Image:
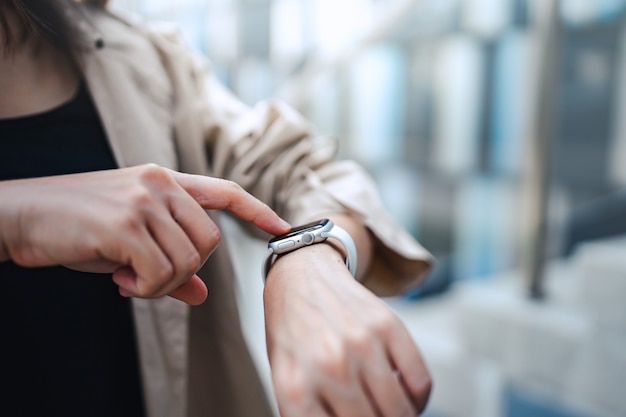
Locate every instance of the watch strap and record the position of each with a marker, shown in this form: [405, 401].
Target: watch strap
[346, 240]
[336, 233]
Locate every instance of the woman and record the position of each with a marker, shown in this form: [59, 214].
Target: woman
[99, 117]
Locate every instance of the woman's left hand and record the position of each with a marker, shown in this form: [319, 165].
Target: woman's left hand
[335, 348]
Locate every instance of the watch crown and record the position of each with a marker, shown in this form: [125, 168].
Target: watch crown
[308, 238]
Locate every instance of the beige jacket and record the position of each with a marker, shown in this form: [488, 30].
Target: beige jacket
[159, 104]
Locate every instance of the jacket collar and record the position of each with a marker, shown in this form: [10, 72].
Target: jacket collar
[123, 93]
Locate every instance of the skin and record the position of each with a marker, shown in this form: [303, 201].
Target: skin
[335, 348]
[146, 225]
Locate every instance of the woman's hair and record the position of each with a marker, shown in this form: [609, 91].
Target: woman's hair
[45, 19]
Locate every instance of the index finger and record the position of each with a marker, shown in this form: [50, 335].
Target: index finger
[219, 194]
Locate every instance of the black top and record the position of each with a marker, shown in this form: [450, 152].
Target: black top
[68, 343]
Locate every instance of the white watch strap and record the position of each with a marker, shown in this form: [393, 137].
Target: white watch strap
[346, 240]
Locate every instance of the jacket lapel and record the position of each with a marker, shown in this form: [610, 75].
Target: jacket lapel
[132, 93]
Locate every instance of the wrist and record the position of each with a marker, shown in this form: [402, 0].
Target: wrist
[322, 252]
[307, 262]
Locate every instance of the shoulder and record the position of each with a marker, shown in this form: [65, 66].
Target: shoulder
[128, 31]
[133, 38]
[151, 54]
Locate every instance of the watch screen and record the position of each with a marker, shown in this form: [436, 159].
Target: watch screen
[299, 229]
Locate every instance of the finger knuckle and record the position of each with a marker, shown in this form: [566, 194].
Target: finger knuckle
[163, 275]
[210, 241]
[233, 190]
[291, 388]
[194, 262]
[232, 186]
[333, 365]
[151, 171]
[383, 323]
[128, 221]
[153, 174]
[362, 341]
[214, 236]
[140, 198]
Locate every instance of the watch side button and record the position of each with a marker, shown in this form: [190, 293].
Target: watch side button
[287, 244]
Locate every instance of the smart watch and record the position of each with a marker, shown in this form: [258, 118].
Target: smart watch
[310, 234]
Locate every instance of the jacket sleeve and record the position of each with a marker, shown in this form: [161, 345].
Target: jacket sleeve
[270, 150]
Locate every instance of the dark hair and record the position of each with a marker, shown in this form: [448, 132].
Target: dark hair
[46, 19]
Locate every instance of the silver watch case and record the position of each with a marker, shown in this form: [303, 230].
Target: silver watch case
[309, 234]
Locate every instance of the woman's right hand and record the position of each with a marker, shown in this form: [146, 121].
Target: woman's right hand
[145, 224]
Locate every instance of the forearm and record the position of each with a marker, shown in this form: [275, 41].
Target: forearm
[8, 217]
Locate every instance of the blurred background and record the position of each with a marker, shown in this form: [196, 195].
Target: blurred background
[494, 129]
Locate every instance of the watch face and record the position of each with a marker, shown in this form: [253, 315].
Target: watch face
[301, 229]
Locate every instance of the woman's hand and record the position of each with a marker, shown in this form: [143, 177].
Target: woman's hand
[335, 348]
[145, 224]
